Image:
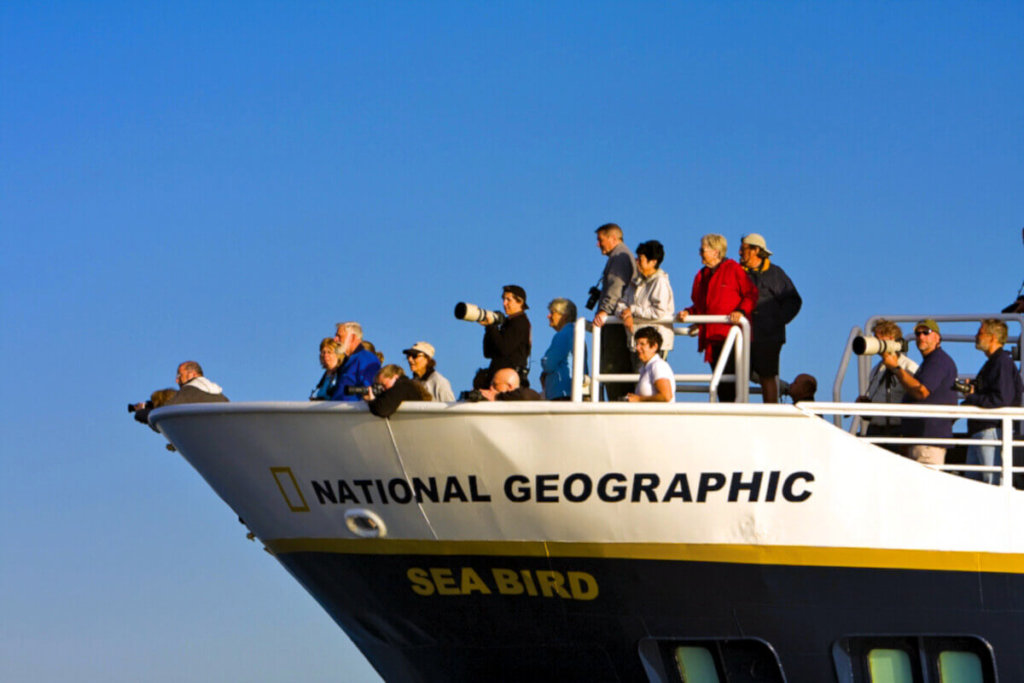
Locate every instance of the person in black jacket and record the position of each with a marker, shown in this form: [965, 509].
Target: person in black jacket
[508, 344]
[506, 387]
[394, 387]
[997, 385]
[778, 302]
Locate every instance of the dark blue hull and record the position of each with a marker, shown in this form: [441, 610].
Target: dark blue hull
[484, 617]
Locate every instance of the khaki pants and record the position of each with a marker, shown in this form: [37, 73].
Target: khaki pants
[928, 455]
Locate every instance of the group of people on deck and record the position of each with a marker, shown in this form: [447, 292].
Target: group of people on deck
[898, 379]
[635, 310]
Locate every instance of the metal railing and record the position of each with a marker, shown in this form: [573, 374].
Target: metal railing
[735, 344]
[1009, 418]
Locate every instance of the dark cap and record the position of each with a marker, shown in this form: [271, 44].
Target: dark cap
[516, 291]
[929, 323]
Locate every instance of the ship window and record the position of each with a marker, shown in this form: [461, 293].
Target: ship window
[696, 665]
[960, 667]
[711, 660]
[890, 666]
[914, 658]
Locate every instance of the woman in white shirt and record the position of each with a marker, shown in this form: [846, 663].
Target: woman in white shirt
[657, 382]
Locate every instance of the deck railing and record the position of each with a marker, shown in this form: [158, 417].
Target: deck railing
[1010, 419]
[735, 345]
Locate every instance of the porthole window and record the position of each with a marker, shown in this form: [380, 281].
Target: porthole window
[889, 666]
[696, 665]
[960, 667]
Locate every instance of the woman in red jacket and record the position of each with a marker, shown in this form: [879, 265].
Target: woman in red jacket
[721, 287]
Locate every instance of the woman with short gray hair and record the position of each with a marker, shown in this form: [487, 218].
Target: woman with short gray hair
[556, 373]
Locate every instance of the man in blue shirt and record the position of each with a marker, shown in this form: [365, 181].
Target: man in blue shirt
[932, 384]
[360, 366]
[997, 385]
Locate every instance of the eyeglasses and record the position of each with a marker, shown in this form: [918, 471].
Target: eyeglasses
[922, 333]
[413, 356]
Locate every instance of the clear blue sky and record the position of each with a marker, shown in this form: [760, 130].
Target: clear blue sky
[225, 181]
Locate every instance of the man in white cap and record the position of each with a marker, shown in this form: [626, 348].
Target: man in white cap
[778, 302]
[424, 369]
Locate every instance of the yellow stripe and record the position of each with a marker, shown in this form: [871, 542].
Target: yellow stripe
[875, 558]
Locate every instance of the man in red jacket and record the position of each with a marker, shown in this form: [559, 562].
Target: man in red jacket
[721, 287]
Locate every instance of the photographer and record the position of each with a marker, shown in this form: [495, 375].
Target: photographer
[619, 273]
[505, 387]
[883, 387]
[997, 385]
[507, 343]
[931, 384]
[157, 399]
[194, 388]
[360, 365]
[390, 388]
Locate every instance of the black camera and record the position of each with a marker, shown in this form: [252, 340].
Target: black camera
[593, 294]
[473, 396]
[963, 385]
[356, 391]
[132, 408]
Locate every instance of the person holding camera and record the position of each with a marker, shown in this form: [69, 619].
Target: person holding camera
[192, 388]
[997, 385]
[359, 366]
[619, 272]
[778, 302]
[507, 343]
[721, 287]
[931, 384]
[657, 383]
[883, 387]
[390, 388]
[506, 387]
[649, 298]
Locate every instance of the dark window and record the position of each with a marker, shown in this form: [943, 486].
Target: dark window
[712, 660]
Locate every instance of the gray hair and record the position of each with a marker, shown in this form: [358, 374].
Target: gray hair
[353, 327]
[564, 306]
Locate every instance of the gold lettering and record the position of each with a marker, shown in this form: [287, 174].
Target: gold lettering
[552, 583]
[531, 587]
[421, 584]
[471, 581]
[444, 581]
[582, 585]
[507, 581]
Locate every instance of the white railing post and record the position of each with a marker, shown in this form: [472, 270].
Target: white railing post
[1007, 452]
[579, 343]
[595, 364]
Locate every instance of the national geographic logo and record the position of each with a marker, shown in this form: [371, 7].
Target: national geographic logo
[288, 485]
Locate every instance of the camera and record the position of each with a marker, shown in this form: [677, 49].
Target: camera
[593, 294]
[474, 314]
[473, 396]
[870, 346]
[963, 385]
[363, 391]
[132, 408]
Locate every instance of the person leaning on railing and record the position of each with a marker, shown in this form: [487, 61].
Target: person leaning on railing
[394, 388]
[657, 382]
[721, 287]
[997, 385]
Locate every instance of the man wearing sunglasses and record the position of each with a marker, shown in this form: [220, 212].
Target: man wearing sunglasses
[931, 384]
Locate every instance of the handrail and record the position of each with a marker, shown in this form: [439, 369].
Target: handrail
[1006, 416]
[734, 343]
[864, 362]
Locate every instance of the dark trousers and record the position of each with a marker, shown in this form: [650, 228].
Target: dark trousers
[726, 390]
[615, 359]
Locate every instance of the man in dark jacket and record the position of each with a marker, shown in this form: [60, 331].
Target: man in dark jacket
[997, 385]
[505, 387]
[193, 388]
[396, 388]
[778, 302]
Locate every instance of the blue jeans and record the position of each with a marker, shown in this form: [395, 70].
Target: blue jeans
[986, 455]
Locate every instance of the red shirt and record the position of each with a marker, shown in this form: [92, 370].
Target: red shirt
[720, 291]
